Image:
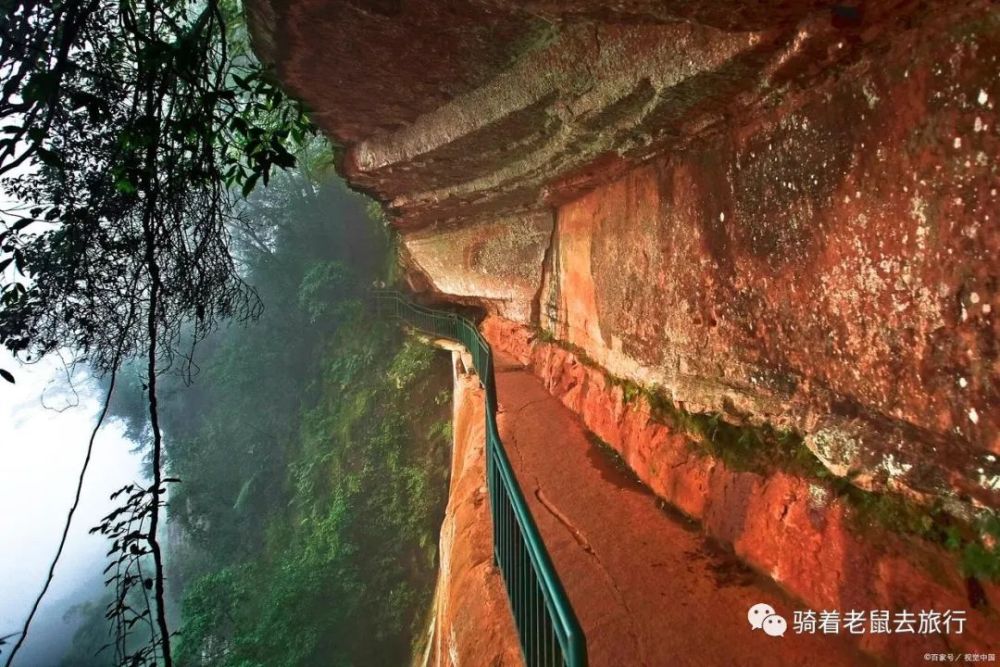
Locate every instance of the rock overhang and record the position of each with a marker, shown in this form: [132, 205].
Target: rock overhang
[451, 111]
[481, 124]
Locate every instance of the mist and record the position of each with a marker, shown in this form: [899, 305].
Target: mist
[45, 421]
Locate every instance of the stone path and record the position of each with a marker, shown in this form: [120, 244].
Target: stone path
[648, 588]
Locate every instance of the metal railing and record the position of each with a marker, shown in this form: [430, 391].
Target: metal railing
[547, 626]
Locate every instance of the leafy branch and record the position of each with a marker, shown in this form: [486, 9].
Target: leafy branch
[127, 127]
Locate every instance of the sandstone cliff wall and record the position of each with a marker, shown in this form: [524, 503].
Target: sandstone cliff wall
[773, 215]
[470, 621]
[828, 265]
[824, 547]
[783, 214]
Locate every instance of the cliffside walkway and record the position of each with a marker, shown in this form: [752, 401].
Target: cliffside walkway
[596, 571]
[547, 626]
[647, 587]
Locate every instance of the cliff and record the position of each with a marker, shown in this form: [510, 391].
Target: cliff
[470, 623]
[775, 219]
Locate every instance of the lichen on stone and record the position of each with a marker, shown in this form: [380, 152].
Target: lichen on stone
[836, 448]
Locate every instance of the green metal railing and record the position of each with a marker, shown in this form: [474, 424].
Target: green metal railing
[549, 631]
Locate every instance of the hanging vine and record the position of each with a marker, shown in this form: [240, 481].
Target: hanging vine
[131, 128]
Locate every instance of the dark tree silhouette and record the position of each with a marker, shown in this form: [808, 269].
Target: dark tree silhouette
[127, 125]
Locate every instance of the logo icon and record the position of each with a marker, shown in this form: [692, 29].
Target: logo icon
[763, 617]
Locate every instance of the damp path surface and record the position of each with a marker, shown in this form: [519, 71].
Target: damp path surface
[648, 588]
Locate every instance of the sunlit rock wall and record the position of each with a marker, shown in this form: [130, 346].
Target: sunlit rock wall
[784, 212]
[778, 213]
[829, 264]
[499, 261]
[470, 623]
[797, 529]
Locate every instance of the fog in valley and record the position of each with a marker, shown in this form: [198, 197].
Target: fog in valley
[45, 422]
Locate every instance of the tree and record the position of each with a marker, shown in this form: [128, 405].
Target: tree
[127, 124]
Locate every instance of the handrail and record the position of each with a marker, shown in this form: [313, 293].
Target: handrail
[547, 625]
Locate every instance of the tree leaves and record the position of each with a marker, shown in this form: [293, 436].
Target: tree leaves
[125, 186]
[125, 114]
[38, 54]
[49, 157]
[210, 129]
[249, 183]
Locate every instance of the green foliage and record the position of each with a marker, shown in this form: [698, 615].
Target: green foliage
[744, 447]
[312, 449]
[764, 450]
[91, 639]
[376, 213]
[343, 577]
[886, 510]
[545, 336]
[127, 127]
[140, 119]
[321, 290]
[976, 542]
[981, 556]
[411, 362]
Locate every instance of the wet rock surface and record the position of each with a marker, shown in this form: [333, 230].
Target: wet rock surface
[795, 530]
[648, 588]
[470, 622]
[829, 267]
[500, 260]
[779, 213]
[782, 211]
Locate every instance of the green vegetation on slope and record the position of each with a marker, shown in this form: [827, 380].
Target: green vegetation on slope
[312, 451]
[346, 568]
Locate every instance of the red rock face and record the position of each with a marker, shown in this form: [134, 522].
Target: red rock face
[471, 623]
[781, 212]
[374, 66]
[829, 265]
[500, 262]
[793, 529]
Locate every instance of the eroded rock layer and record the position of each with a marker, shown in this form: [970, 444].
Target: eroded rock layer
[470, 621]
[798, 529]
[776, 213]
[781, 213]
[830, 266]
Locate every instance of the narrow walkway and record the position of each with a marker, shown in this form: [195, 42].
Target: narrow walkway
[648, 589]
